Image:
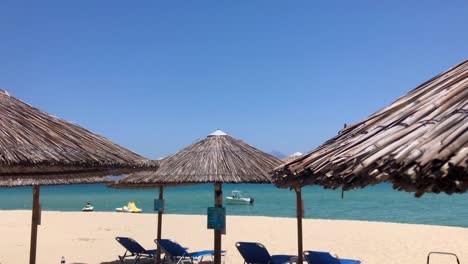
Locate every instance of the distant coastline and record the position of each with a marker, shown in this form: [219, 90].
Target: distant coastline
[377, 203]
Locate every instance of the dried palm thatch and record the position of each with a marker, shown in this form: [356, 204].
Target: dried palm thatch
[41, 148]
[12, 181]
[219, 158]
[419, 143]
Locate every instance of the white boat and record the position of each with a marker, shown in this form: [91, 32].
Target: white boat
[87, 208]
[238, 197]
[129, 208]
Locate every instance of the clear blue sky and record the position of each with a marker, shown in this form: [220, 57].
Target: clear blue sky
[154, 76]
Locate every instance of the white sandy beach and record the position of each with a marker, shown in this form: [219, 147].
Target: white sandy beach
[89, 237]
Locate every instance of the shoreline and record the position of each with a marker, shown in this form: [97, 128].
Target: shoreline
[90, 237]
[238, 215]
[377, 203]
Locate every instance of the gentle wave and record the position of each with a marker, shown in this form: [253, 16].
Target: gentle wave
[375, 203]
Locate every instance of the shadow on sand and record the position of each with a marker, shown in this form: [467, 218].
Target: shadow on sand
[143, 261]
[129, 261]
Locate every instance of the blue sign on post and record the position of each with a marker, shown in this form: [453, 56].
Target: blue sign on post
[159, 205]
[217, 218]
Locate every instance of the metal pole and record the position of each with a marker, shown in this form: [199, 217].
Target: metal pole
[160, 213]
[299, 213]
[34, 223]
[218, 192]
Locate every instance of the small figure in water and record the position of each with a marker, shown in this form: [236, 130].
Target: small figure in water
[88, 207]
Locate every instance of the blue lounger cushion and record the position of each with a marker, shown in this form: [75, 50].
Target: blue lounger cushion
[176, 251]
[134, 249]
[256, 253]
[319, 257]
[281, 258]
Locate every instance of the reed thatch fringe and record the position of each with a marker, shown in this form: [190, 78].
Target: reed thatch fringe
[215, 159]
[36, 180]
[419, 143]
[33, 142]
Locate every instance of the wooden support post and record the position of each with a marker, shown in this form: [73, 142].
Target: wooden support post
[299, 213]
[160, 213]
[218, 196]
[34, 223]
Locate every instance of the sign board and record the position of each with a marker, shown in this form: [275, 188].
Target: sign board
[159, 205]
[217, 218]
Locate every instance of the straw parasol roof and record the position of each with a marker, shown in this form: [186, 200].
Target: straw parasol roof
[42, 149]
[39, 149]
[219, 158]
[14, 181]
[419, 143]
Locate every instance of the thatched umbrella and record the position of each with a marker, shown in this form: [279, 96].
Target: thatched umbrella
[299, 208]
[219, 158]
[40, 149]
[419, 143]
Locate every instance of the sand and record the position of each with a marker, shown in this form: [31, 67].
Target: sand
[90, 237]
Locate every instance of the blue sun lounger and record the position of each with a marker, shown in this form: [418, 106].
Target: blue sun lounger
[176, 253]
[134, 249]
[318, 257]
[256, 253]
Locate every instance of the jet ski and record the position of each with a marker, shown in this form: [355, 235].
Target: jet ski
[88, 208]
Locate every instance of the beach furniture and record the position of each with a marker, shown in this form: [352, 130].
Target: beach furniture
[133, 249]
[256, 253]
[318, 257]
[395, 144]
[41, 149]
[442, 253]
[174, 252]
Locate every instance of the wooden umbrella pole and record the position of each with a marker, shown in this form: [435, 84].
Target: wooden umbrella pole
[34, 223]
[160, 213]
[218, 191]
[299, 212]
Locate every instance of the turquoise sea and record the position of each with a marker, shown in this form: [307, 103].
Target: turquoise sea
[376, 203]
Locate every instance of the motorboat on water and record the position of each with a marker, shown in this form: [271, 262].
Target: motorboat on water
[88, 208]
[238, 197]
[129, 208]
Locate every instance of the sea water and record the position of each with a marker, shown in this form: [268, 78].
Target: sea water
[375, 203]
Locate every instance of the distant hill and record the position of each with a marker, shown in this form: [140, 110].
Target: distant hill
[278, 154]
[115, 178]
